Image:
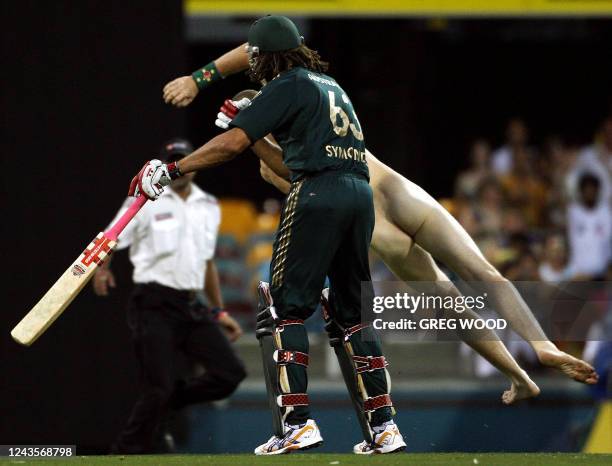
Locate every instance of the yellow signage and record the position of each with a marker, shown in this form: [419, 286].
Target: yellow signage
[402, 7]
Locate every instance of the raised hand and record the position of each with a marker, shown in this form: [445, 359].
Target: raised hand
[180, 92]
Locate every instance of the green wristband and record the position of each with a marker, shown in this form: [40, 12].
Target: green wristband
[206, 75]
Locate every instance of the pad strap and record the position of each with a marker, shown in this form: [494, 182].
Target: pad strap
[292, 399]
[369, 363]
[354, 329]
[376, 402]
[282, 323]
[283, 357]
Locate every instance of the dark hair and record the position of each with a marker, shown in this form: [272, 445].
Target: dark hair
[269, 64]
[588, 179]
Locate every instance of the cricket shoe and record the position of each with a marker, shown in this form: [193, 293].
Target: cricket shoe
[387, 441]
[296, 438]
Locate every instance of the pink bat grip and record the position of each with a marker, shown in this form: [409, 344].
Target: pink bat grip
[114, 231]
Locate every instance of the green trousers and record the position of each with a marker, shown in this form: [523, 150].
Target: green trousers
[325, 231]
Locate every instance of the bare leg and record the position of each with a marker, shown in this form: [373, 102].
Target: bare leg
[409, 262]
[436, 231]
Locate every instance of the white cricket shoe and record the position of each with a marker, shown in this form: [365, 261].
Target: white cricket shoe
[296, 438]
[388, 441]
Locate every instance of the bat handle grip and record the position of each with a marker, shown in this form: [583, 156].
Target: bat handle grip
[114, 231]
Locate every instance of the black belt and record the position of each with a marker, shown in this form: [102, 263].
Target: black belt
[187, 295]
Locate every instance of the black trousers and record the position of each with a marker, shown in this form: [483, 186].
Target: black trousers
[163, 321]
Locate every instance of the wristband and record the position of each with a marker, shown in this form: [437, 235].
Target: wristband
[218, 312]
[173, 171]
[206, 75]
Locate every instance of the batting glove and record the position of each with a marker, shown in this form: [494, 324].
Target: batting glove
[152, 179]
[229, 110]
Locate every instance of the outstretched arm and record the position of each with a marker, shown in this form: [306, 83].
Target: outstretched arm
[155, 174]
[234, 61]
[217, 151]
[181, 91]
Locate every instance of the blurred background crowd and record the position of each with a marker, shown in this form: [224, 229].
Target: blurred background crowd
[539, 210]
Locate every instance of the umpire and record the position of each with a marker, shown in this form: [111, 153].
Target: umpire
[172, 243]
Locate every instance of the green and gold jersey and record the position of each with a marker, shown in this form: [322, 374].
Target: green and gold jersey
[312, 119]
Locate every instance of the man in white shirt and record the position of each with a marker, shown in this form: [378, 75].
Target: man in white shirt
[172, 244]
[597, 160]
[589, 225]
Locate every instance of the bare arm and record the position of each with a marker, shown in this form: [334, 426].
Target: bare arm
[267, 174]
[181, 91]
[212, 286]
[234, 61]
[272, 155]
[271, 166]
[215, 152]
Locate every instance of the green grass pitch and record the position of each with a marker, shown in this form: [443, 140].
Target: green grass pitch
[308, 459]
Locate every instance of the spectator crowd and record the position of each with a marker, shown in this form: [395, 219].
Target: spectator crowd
[543, 213]
[540, 212]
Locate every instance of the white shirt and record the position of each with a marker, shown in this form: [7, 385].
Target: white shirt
[550, 275]
[590, 237]
[502, 161]
[171, 239]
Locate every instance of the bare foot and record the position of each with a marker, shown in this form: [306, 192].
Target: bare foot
[573, 367]
[520, 389]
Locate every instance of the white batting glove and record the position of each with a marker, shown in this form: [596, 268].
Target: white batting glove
[222, 121]
[229, 110]
[151, 180]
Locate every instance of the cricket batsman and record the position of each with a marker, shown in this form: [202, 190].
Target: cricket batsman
[325, 230]
[411, 229]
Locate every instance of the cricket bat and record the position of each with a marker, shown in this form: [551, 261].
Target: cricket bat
[72, 281]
